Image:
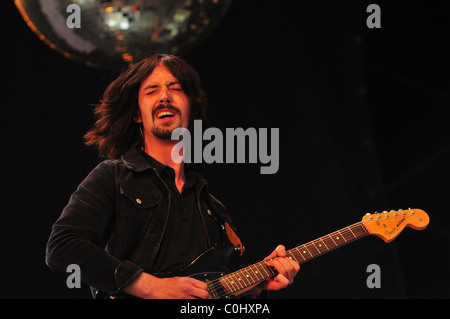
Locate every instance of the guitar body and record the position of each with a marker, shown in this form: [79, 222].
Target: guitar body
[208, 267]
[211, 260]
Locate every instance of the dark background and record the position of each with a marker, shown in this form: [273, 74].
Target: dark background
[363, 127]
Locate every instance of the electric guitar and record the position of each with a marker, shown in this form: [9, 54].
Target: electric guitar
[209, 266]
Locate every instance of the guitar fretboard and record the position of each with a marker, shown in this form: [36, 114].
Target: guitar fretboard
[256, 273]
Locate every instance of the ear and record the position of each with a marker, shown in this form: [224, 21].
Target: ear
[137, 117]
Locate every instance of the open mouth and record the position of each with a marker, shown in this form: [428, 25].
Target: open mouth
[165, 114]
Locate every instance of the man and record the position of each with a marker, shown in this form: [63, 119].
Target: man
[139, 213]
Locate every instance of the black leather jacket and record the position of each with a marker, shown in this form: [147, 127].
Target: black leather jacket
[114, 222]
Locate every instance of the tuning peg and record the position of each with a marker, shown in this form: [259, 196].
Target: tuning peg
[367, 214]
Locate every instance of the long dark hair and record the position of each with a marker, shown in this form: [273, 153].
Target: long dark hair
[115, 130]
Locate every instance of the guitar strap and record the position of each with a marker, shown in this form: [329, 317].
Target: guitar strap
[234, 239]
[231, 234]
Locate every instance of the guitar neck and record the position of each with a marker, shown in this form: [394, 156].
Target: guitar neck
[239, 281]
[324, 244]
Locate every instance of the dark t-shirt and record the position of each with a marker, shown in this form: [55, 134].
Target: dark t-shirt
[185, 236]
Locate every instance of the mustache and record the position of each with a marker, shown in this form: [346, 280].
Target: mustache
[165, 106]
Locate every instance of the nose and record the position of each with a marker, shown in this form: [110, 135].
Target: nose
[165, 96]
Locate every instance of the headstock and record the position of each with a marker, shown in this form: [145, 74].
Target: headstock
[389, 225]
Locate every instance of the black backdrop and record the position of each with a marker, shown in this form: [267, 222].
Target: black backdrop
[363, 128]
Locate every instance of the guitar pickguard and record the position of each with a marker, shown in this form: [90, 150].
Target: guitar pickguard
[215, 289]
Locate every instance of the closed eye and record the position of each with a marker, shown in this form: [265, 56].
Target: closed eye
[175, 87]
[152, 88]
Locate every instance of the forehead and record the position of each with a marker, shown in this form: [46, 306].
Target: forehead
[160, 75]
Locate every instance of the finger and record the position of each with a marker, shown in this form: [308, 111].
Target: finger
[199, 289]
[199, 284]
[290, 269]
[286, 268]
[280, 271]
[295, 265]
[200, 294]
[277, 283]
[280, 265]
[280, 251]
[273, 254]
[282, 281]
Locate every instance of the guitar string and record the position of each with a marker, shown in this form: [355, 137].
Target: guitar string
[216, 283]
[361, 223]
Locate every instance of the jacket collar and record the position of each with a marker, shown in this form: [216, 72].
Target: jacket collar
[136, 161]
